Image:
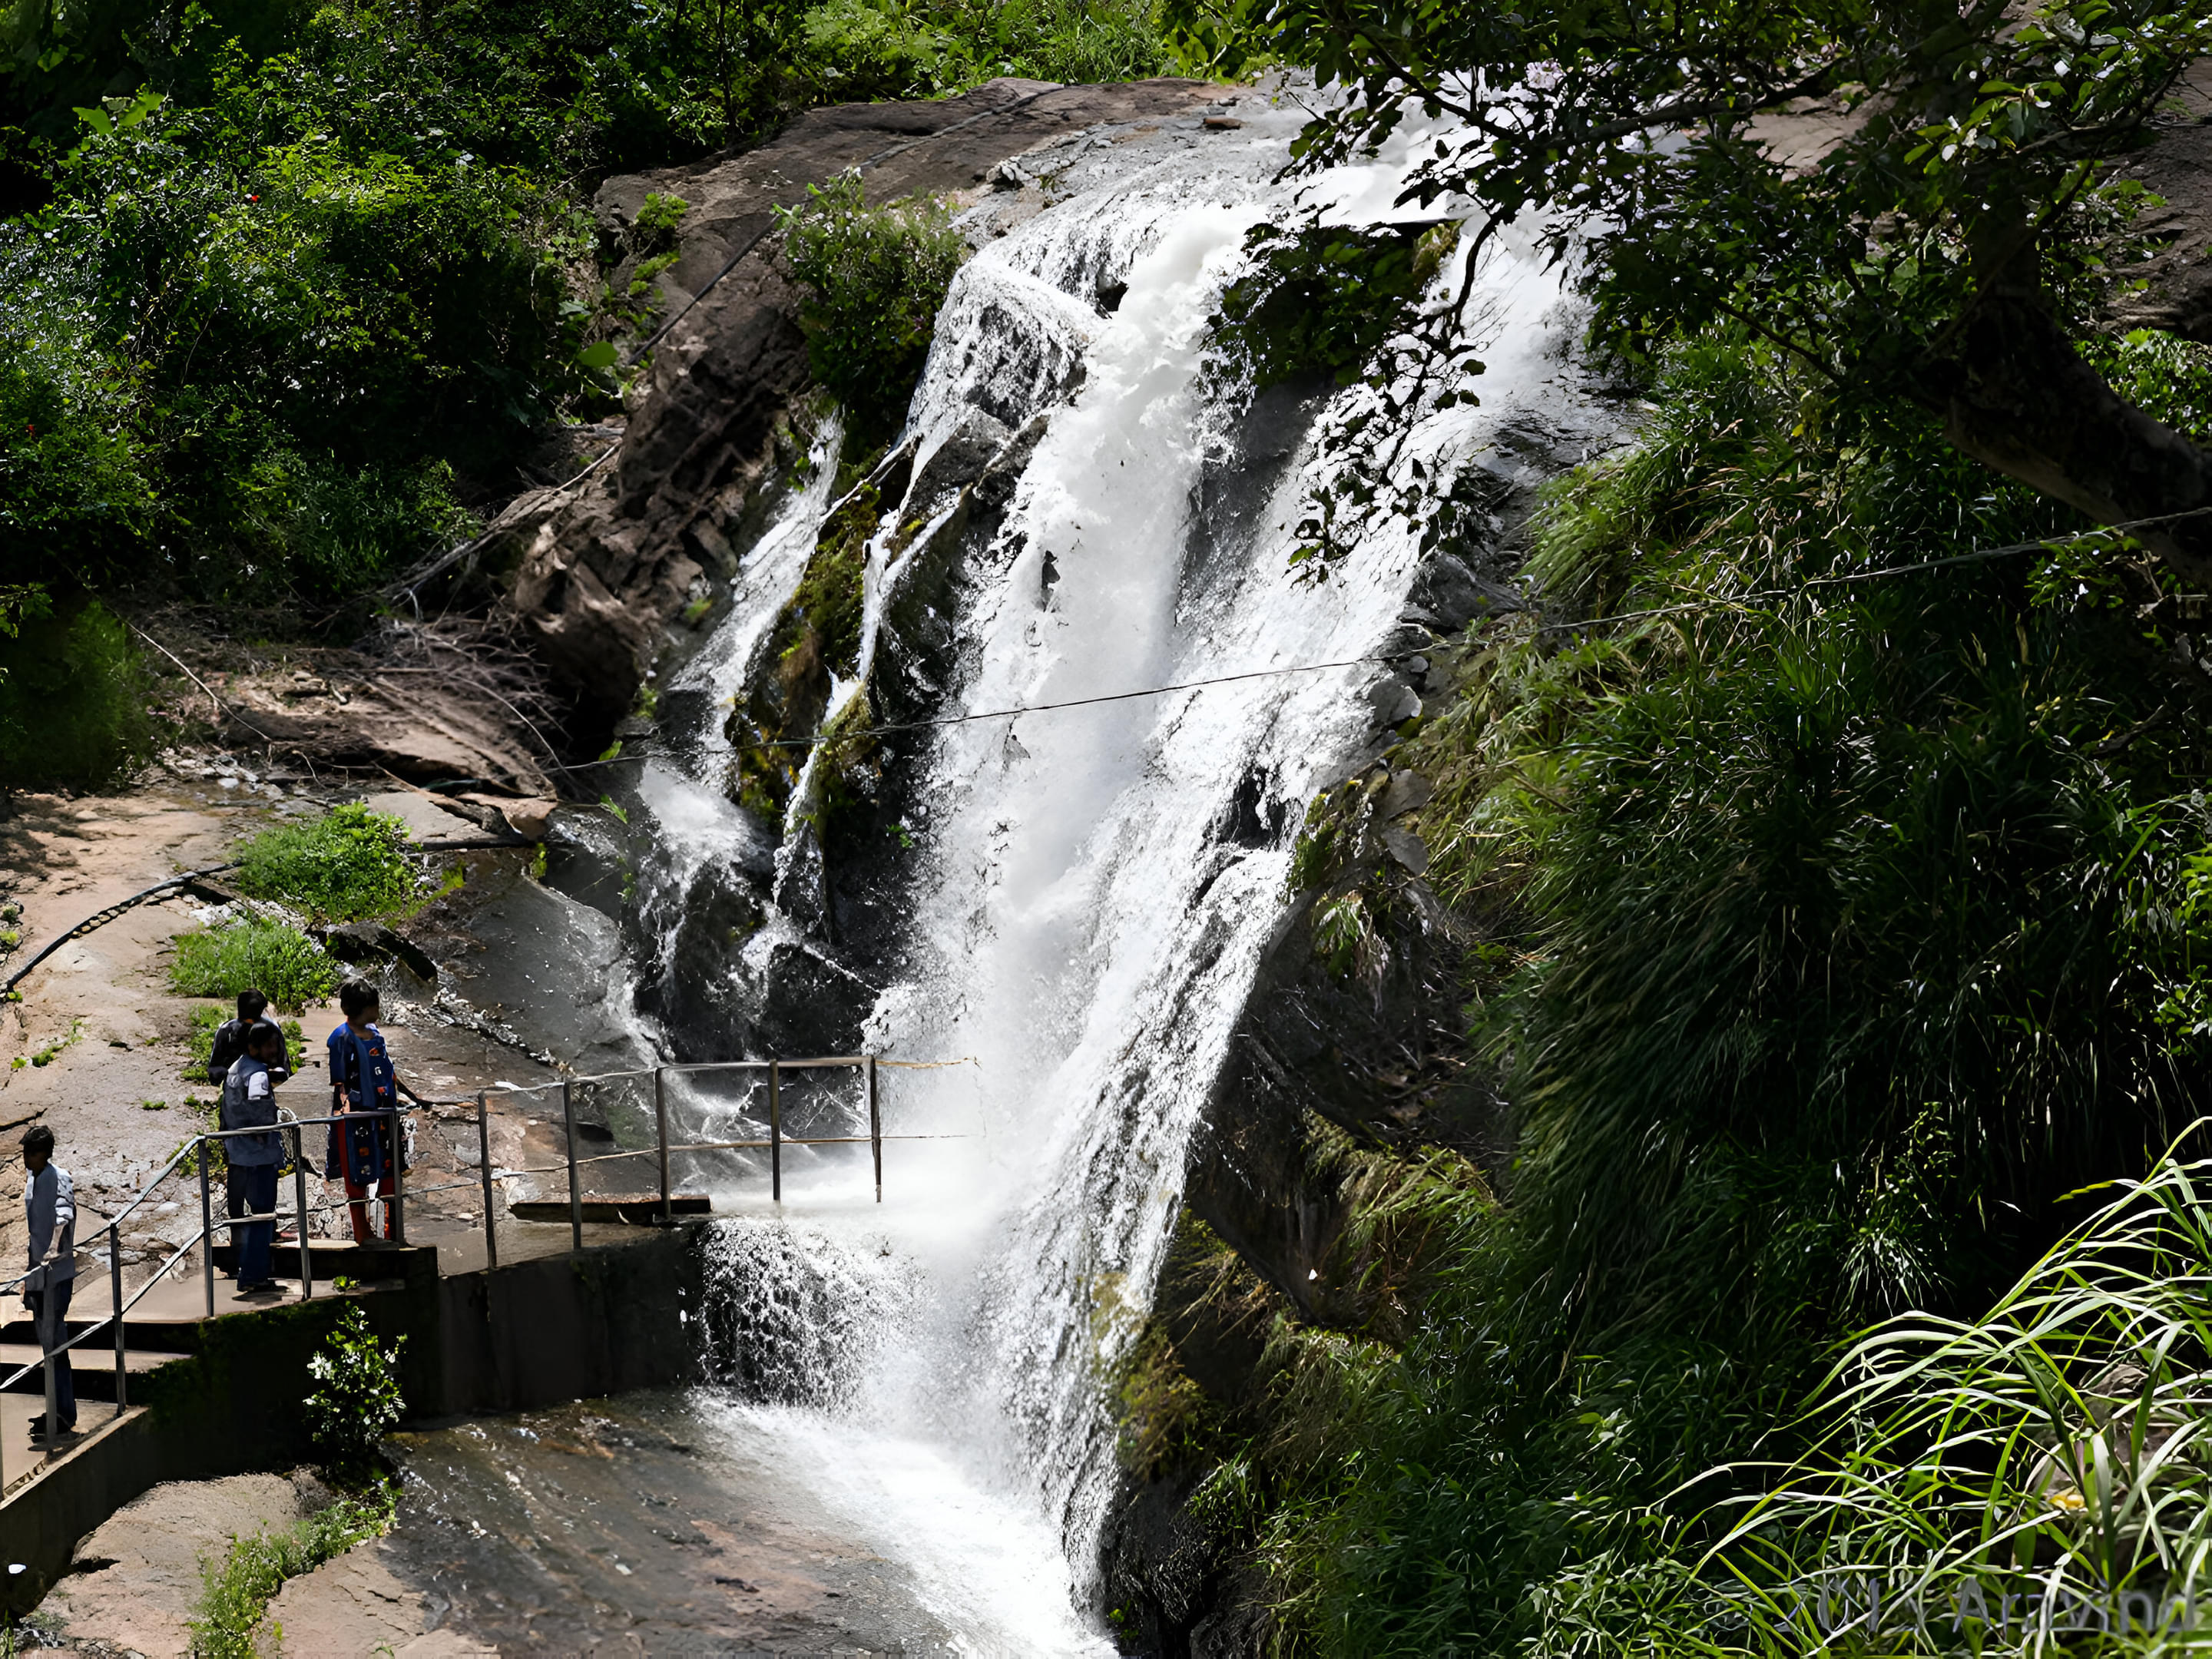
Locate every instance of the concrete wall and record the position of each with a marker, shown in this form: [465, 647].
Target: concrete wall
[533, 1333]
[568, 1327]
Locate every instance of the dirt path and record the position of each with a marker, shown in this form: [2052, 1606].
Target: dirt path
[95, 1048]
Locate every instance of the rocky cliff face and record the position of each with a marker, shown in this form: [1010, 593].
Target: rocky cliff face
[597, 571]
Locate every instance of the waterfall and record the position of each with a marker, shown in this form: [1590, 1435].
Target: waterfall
[1069, 906]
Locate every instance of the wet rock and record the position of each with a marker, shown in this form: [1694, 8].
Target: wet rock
[1406, 848]
[372, 942]
[960, 459]
[1407, 791]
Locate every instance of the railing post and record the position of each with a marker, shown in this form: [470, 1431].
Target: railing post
[483, 1164]
[300, 1211]
[875, 1124]
[207, 1228]
[115, 1288]
[395, 1199]
[775, 1133]
[661, 1119]
[576, 1192]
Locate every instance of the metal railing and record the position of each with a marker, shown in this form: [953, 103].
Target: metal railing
[198, 1148]
[47, 1327]
[773, 1146]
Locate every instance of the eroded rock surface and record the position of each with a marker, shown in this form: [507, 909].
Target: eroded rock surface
[133, 1583]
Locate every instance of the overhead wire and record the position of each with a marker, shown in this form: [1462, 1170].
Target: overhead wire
[1880, 574]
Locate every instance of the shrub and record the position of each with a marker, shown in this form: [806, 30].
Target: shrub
[1825, 946]
[75, 492]
[199, 1041]
[875, 279]
[357, 1394]
[73, 700]
[236, 1590]
[273, 958]
[347, 864]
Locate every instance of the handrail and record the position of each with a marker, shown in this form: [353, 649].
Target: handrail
[198, 1146]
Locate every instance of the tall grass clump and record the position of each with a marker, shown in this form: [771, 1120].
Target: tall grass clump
[347, 864]
[272, 958]
[2034, 1479]
[874, 278]
[2038, 1472]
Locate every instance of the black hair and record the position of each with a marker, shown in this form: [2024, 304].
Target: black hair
[355, 995]
[261, 1033]
[250, 1005]
[38, 1138]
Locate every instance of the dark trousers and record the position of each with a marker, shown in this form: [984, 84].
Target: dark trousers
[233, 1187]
[258, 1183]
[49, 1312]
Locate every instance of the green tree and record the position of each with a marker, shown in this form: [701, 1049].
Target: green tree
[1945, 251]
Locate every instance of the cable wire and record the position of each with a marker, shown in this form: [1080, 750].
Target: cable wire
[1977, 557]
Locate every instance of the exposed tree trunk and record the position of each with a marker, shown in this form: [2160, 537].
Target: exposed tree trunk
[2020, 398]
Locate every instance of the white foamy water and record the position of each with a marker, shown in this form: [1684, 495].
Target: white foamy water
[1081, 931]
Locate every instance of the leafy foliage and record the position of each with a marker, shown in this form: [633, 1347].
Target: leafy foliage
[73, 698]
[1324, 301]
[356, 1399]
[347, 864]
[272, 958]
[1966, 127]
[875, 279]
[291, 289]
[1828, 945]
[1941, 242]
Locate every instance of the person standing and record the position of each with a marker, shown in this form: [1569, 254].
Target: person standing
[50, 1199]
[249, 1102]
[363, 1154]
[230, 1035]
[229, 1044]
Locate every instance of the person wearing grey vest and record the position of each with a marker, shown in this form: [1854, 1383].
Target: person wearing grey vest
[49, 1205]
[249, 1102]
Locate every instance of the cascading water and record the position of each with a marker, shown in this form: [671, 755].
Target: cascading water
[1071, 903]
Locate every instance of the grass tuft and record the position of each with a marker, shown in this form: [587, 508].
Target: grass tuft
[272, 958]
[237, 1588]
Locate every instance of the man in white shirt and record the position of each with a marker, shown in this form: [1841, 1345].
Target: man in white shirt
[50, 1199]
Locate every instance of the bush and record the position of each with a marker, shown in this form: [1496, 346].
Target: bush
[73, 700]
[356, 1397]
[875, 279]
[348, 863]
[277, 960]
[236, 1590]
[74, 478]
